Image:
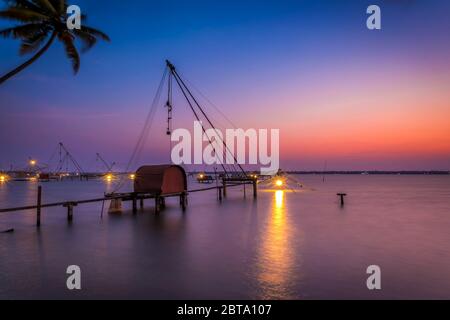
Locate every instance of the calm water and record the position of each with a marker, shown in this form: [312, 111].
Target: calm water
[300, 245]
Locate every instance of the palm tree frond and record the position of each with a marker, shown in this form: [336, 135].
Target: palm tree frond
[23, 32]
[33, 44]
[96, 33]
[87, 40]
[70, 49]
[59, 5]
[23, 15]
[45, 5]
[37, 19]
[25, 4]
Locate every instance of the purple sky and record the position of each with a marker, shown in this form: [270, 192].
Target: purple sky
[358, 99]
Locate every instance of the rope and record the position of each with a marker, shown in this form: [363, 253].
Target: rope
[182, 88]
[50, 164]
[144, 133]
[182, 85]
[211, 103]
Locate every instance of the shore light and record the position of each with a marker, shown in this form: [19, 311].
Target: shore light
[132, 176]
[2, 178]
[33, 162]
[279, 183]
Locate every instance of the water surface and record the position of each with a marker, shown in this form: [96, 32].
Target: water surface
[285, 245]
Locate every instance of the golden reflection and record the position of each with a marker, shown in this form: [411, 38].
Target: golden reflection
[279, 197]
[276, 256]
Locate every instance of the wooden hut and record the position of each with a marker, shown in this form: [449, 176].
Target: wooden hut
[161, 181]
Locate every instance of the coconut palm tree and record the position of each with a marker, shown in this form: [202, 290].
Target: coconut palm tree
[40, 22]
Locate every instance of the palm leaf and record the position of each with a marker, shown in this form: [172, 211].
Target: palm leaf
[33, 44]
[25, 4]
[46, 5]
[23, 15]
[37, 19]
[96, 33]
[87, 40]
[70, 49]
[59, 5]
[22, 32]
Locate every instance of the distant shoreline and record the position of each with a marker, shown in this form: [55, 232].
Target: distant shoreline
[405, 172]
[379, 172]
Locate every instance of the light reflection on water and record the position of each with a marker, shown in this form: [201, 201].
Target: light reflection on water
[276, 256]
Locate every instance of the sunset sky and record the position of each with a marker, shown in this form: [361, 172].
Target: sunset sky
[338, 92]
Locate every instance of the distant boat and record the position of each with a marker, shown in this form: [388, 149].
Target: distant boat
[44, 176]
[23, 176]
[204, 178]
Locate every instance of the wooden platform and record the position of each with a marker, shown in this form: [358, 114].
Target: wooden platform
[131, 196]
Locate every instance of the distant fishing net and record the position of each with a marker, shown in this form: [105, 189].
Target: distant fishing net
[282, 181]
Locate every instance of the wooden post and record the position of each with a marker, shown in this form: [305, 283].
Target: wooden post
[163, 202]
[69, 212]
[224, 188]
[115, 206]
[69, 207]
[183, 201]
[219, 189]
[157, 202]
[255, 188]
[342, 195]
[142, 203]
[134, 204]
[38, 209]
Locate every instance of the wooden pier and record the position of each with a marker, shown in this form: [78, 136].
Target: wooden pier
[238, 181]
[159, 200]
